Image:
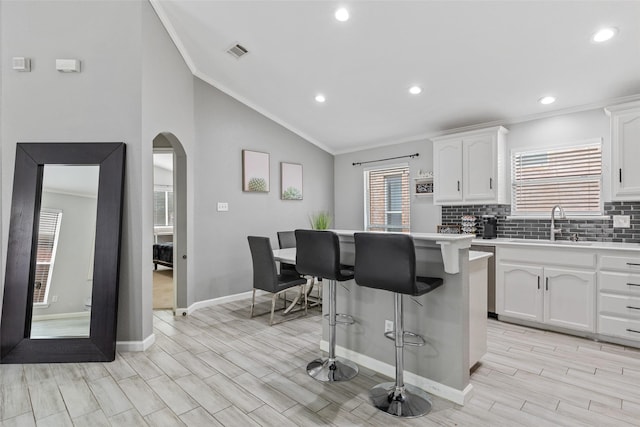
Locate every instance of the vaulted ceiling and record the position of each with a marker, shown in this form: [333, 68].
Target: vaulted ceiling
[477, 62]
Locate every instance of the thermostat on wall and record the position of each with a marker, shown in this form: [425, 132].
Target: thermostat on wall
[68, 65]
[20, 63]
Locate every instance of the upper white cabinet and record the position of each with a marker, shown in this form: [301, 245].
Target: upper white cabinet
[470, 168]
[625, 151]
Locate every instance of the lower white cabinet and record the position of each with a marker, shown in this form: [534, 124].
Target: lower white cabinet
[619, 295]
[556, 296]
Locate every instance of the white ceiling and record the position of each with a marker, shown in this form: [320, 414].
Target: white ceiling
[478, 62]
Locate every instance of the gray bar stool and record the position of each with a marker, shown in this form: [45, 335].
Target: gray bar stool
[388, 262]
[318, 254]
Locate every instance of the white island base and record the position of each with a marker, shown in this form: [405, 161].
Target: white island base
[441, 317]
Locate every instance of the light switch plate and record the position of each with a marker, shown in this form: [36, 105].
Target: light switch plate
[223, 206]
[621, 221]
[388, 325]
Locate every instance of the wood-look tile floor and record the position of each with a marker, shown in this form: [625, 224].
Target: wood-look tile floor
[218, 368]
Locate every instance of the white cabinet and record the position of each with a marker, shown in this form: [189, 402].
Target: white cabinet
[470, 168]
[520, 289]
[557, 295]
[619, 295]
[625, 151]
[569, 298]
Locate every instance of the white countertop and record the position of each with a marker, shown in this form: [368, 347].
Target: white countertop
[450, 244]
[581, 244]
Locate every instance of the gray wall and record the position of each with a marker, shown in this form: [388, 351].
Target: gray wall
[102, 103]
[349, 185]
[70, 280]
[558, 130]
[135, 86]
[224, 127]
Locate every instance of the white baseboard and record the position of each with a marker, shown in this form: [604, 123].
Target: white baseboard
[136, 345]
[216, 301]
[459, 397]
[78, 314]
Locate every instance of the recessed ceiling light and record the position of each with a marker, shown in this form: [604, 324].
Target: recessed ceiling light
[342, 14]
[320, 98]
[415, 90]
[604, 34]
[545, 100]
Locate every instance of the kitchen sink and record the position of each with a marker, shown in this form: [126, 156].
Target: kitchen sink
[546, 242]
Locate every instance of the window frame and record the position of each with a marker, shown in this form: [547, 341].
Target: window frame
[367, 204]
[543, 150]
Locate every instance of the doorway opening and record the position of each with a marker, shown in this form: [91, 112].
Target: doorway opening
[163, 229]
[170, 223]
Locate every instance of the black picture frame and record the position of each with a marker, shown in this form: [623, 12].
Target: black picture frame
[15, 344]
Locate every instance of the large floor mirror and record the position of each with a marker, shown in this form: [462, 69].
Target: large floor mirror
[61, 283]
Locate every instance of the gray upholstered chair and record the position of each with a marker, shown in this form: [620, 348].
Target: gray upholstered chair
[266, 277]
[287, 239]
[387, 261]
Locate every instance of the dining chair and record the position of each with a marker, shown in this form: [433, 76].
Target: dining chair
[266, 277]
[287, 239]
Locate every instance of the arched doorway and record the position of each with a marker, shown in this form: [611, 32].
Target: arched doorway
[167, 143]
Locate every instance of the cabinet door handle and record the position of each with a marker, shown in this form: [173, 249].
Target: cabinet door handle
[490, 183]
[546, 284]
[620, 174]
[633, 263]
[538, 282]
[633, 330]
[458, 185]
[632, 284]
[633, 308]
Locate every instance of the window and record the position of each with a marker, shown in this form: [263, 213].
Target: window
[387, 199]
[570, 177]
[162, 208]
[48, 232]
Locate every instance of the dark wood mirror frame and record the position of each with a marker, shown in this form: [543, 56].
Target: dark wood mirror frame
[15, 344]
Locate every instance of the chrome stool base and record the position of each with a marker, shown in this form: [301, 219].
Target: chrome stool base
[402, 402]
[326, 370]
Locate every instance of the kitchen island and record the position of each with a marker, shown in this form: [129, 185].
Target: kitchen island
[441, 367]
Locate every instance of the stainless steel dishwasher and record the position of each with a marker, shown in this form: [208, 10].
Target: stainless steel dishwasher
[491, 279]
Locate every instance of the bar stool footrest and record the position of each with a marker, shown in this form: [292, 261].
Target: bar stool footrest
[402, 402]
[414, 339]
[345, 319]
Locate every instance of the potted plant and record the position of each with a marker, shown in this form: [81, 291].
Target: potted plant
[320, 220]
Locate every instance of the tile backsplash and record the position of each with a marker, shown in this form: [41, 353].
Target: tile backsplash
[586, 229]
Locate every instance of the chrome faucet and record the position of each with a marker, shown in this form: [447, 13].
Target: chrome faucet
[555, 230]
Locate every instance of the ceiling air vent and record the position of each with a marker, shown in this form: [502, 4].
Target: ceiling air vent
[237, 51]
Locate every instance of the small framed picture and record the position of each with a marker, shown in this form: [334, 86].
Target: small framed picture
[255, 171]
[290, 181]
[424, 187]
[449, 229]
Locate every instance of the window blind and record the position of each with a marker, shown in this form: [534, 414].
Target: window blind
[388, 199]
[571, 177]
[48, 231]
[162, 208]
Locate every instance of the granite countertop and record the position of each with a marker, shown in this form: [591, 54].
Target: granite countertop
[581, 244]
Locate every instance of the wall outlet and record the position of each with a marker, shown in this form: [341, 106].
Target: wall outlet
[621, 221]
[388, 326]
[54, 298]
[223, 206]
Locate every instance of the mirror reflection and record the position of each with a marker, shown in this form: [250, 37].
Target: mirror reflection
[66, 239]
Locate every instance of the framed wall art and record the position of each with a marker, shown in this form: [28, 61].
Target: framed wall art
[255, 171]
[290, 181]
